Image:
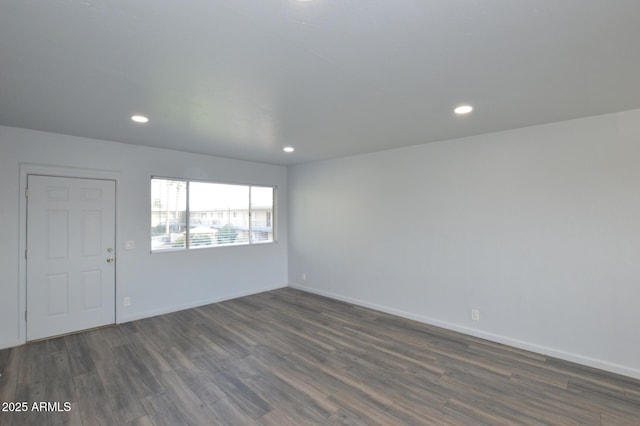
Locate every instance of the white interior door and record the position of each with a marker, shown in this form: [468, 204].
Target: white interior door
[70, 255]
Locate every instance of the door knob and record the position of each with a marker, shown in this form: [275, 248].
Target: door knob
[110, 259]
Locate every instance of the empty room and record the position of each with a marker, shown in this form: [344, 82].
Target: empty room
[290, 212]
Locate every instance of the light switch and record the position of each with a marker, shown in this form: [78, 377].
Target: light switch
[130, 244]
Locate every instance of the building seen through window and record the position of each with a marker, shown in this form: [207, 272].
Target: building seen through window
[191, 214]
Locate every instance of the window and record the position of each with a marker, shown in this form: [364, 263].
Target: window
[191, 214]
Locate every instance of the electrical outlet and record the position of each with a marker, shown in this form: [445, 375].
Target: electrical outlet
[127, 301]
[130, 244]
[475, 315]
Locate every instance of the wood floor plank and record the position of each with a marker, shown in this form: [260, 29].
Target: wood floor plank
[93, 402]
[55, 345]
[29, 392]
[403, 386]
[344, 417]
[58, 388]
[9, 373]
[417, 414]
[57, 370]
[32, 363]
[632, 395]
[192, 408]
[121, 392]
[227, 412]
[479, 414]
[370, 414]
[278, 417]
[130, 362]
[162, 411]
[283, 387]
[202, 383]
[79, 353]
[142, 421]
[617, 419]
[237, 391]
[70, 418]
[290, 404]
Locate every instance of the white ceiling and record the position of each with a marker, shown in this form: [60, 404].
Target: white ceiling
[244, 78]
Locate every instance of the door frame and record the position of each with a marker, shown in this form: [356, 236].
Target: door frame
[53, 171]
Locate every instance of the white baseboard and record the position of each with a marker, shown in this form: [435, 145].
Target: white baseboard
[520, 344]
[122, 318]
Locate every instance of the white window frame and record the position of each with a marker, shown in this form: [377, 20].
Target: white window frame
[187, 245]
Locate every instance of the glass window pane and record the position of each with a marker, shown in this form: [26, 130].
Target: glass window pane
[219, 214]
[261, 214]
[168, 214]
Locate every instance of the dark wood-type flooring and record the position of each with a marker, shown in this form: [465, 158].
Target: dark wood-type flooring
[290, 358]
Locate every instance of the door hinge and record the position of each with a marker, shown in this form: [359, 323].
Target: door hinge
[25, 315]
[26, 192]
[25, 254]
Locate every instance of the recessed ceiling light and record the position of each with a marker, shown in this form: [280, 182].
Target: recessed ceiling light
[288, 149]
[463, 109]
[139, 119]
[303, 1]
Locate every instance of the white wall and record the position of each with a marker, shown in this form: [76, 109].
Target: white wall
[538, 228]
[156, 283]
